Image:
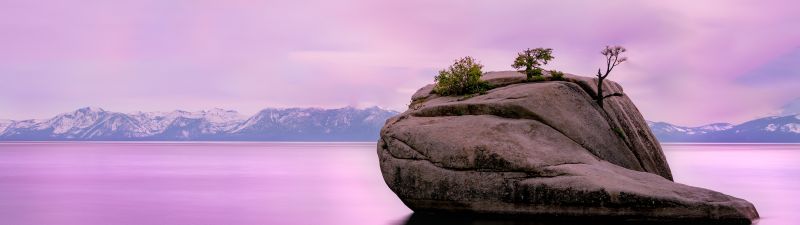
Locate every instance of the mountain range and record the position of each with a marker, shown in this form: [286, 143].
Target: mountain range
[271, 124]
[784, 127]
[315, 124]
[778, 129]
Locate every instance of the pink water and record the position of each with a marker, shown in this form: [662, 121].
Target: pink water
[767, 175]
[297, 183]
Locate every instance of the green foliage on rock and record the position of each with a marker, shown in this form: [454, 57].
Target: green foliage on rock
[556, 75]
[461, 78]
[532, 60]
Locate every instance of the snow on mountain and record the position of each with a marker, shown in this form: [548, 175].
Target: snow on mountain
[74, 122]
[312, 124]
[220, 116]
[207, 121]
[770, 127]
[791, 127]
[767, 129]
[215, 124]
[716, 127]
[4, 124]
[316, 124]
[662, 128]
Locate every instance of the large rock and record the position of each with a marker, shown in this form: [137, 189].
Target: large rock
[541, 149]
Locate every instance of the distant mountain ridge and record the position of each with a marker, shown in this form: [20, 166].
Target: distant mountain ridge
[778, 129]
[271, 124]
[315, 124]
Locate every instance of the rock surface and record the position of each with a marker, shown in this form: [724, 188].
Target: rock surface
[541, 149]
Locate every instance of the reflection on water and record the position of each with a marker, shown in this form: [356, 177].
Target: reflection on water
[194, 183]
[304, 183]
[438, 219]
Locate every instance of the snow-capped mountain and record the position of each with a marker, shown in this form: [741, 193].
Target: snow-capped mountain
[315, 124]
[768, 129]
[4, 124]
[181, 124]
[295, 124]
[662, 129]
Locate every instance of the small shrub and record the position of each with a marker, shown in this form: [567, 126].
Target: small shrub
[483, 87]
[557, 75]
[461, 78]
[538, 78]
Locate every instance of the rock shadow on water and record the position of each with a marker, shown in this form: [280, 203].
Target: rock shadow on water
[479, 219]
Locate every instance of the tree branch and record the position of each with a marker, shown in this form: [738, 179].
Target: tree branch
[615, 94]
[614, 63]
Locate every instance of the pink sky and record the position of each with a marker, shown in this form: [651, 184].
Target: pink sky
[691, 62]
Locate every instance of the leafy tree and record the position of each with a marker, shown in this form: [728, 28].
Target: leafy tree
[613, 58]
[531, 60]
[463, 77]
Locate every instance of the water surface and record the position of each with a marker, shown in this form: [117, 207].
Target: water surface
[298, 183]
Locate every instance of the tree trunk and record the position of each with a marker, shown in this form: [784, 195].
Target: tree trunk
[528, 72]
[600, 91]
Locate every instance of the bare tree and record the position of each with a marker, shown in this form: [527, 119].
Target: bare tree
[612, 54]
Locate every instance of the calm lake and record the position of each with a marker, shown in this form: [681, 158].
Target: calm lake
[300, 183]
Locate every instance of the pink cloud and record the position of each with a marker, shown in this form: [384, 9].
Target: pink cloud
[687, 57]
